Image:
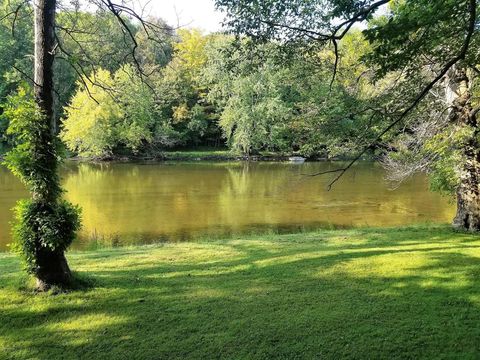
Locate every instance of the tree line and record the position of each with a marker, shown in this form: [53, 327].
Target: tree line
[189, 89]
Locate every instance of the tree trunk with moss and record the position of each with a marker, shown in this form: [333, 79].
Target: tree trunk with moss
[463, 113]
[51, 265]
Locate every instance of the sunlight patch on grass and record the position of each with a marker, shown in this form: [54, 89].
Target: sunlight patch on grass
[85, 323]
[397, 293]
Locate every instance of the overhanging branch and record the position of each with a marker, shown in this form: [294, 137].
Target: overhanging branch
[461, 55]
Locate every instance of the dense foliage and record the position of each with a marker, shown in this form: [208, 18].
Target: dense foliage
[219, 90]
[193, 90]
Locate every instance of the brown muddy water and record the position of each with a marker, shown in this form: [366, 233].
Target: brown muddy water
[133, 203]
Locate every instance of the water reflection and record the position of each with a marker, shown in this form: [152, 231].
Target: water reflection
[140, 203]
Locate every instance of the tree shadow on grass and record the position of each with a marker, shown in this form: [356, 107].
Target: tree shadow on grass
[389, 296]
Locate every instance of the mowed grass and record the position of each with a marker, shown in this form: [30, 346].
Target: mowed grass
[378, 293]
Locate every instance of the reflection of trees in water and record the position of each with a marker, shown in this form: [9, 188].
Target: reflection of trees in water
[185, 198]
[134, 200]
[11, 190]
[162, 199]
[254, 193]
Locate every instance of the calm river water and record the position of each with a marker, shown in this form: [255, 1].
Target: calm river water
[125, 203]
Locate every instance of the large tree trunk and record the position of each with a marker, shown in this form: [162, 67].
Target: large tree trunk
[468, 194]
[459, 97]
[52, 269]
[44, 56]
[51, 266]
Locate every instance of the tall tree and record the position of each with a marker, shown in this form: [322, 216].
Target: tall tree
[44, 55]
[46, 224]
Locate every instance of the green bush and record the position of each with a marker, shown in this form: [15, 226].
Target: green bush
[39, 224]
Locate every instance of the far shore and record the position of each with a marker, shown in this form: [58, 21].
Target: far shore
[208, 155]
[204, 155]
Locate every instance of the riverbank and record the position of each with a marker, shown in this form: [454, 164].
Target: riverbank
[379, 293]
[191, 155]
[208, 155]
[221, 155]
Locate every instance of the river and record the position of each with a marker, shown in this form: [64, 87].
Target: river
[137, 203]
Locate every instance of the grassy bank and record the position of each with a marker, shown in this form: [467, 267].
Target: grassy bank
[211, 154]
[390, 293]
[195, 155]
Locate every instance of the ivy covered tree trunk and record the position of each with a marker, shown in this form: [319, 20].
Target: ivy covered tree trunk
[50, 263]
[459, 97]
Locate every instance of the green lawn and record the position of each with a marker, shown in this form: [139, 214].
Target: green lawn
[385, 293]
